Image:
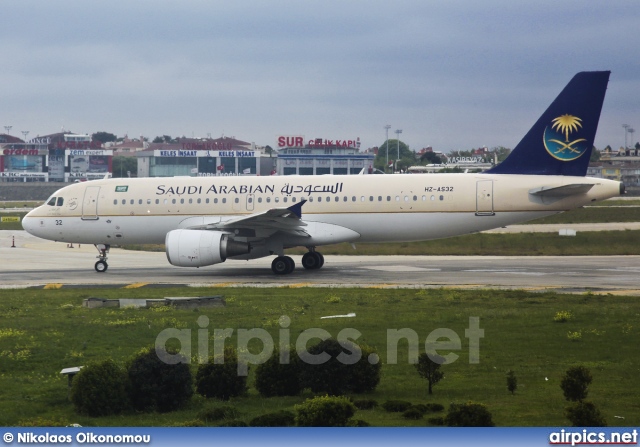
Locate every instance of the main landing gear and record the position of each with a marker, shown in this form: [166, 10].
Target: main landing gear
[283, 265]
[101, 266]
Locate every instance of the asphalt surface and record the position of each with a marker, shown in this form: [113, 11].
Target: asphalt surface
[38, 263]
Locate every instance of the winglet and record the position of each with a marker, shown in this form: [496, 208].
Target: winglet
[297, 208]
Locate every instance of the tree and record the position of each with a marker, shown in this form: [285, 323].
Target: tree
[595, 155]
[429, 368]
[512, 382]
[276, 378]
[575, 383]
[104, 137]
[585, 414]
[121, 165]
[430, 157]
[380, 161]
[163, 139]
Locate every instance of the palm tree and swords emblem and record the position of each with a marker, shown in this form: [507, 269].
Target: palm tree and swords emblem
[564, 126]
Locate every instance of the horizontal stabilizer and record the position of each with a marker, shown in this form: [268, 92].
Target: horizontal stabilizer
[561, 191]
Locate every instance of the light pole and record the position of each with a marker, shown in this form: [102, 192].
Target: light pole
[631, 131]
[25, 133]
[8, 128]
[626, 126]
[386, 146]
[398, 132]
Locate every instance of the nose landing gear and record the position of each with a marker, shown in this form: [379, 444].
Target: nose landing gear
[101, 266]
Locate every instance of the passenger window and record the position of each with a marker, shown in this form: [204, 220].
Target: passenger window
[165, 201]
[148, 201]
[157, 201]
[124, 202]
[131, 202]
[190, 200]
[293, 199]
[353, 199]
[173, 201]
[311, 199]
[370, 198]
[415, 198]
[268, 199]
[52, 201]
[259, 199]
[397, 198]
[199, 200]
[277, 200]
[345, 199]
[319, 199]
[139, 201]
[206, 200]
[379, 198]
[181, 200]
[337, 199]
[441, 197]
[406, 198]
[388, 198]
[215, 200]
[236, 200]
[424, 198]
[115, 201]
[60, 201]
[284, 200]
[362, 198]
[433, 197]
[224, 200]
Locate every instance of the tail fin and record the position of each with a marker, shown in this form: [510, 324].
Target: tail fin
[560, 142]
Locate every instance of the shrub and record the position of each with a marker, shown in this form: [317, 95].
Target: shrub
[274, 378]
[100, 389]
[438, 421]
[396, 406]
[57, 421]
[468, 415]
[585, 414]
[575, 383]
[574, 336]
[562, 316]
[233, 423]
[365, 404]
[221, 380]
[433, 408]
[413, 412]
[512, 381]
[325, 411]
[281, 418]
[215, 414]
[358, 423]
[157, 385]
[335, 377]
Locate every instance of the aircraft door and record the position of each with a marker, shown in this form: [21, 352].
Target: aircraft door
[90, 203]
[250, 201]
[484, 198]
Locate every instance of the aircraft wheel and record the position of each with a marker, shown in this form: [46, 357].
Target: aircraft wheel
[101, 266]
[283, 265]
[312, 260]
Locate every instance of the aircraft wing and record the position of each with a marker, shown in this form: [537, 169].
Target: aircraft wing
[264, 224]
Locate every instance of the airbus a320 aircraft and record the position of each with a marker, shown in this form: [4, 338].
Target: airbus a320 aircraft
[205, 221]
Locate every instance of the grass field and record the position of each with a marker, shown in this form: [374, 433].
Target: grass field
[43, 331]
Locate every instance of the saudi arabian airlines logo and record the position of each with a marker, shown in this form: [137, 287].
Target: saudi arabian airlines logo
[560, 143]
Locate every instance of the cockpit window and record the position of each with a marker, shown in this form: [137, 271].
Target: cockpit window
[52, 201]
[60, 201]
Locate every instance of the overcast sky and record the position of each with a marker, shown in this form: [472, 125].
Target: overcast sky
[450, 74]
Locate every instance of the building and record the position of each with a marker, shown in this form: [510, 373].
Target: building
[60, 157]
[318, 156]
[204, 158]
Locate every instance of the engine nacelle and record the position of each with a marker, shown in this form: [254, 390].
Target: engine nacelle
[197, 248]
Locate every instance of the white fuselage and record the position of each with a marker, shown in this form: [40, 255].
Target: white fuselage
[379, 208]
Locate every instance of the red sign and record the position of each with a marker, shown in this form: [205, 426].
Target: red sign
[21, 152]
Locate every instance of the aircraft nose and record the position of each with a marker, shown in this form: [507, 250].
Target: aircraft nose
[29, 223]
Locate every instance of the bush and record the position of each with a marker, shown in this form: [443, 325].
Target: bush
[468, 415]
[215, 414]
[274, 378]
[433, 408]
[585, 414]
[413, 412]
[281, 418]
[562, 316]
[512, 382]
[222, 380]
[365, 404]
[396, 406]
[358, 423]
[335, 377]
[233, 423]
[437, 421]
[575, 383]
[325, 411]
[100, 389]
[156, 385]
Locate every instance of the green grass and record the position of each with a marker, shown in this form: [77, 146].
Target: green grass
[593, 215]
[19, 204]
[43, 331]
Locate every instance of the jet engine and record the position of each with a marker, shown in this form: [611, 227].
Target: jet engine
[197, 248]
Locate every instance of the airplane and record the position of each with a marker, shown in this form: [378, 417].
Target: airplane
[206, 220]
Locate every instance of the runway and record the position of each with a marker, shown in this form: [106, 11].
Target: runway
[38, 263]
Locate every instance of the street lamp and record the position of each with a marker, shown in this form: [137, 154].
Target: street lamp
[631, 131]
[386, 145]
[8, 128]
[398, 132]
[626, 126]
[25, 133]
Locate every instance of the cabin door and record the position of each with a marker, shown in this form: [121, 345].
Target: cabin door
[251, 198]
[484, 198]
[90, 203]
